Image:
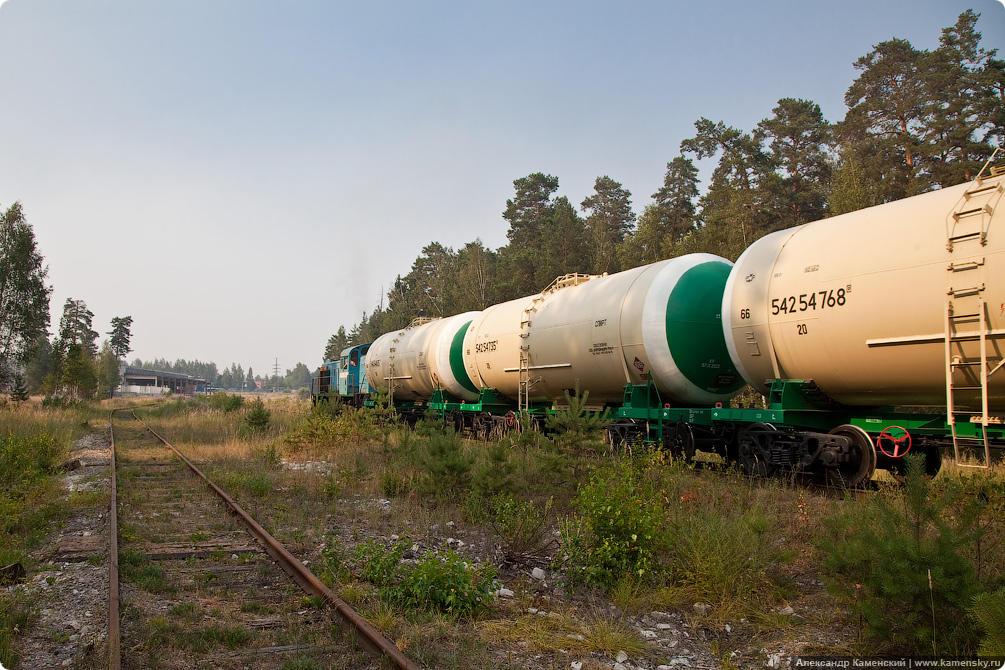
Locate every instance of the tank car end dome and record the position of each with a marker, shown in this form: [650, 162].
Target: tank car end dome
[682, 330]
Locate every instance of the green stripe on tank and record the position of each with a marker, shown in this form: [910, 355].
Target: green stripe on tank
[457, 359]
[694, 329]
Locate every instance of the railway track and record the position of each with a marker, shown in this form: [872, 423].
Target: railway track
[192, 585]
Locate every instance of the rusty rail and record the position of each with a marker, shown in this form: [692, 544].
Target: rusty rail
[350, 620]
[114, 633]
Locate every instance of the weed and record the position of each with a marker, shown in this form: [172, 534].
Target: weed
[203, 640]
[135, 566]
[446, 583]
[440, 582]
[609, 636]
[521, 527]
[185, 610]
[253, 607]
[379, 564]
[301, 663]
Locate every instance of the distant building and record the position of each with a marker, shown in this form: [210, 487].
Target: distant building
[156, 382]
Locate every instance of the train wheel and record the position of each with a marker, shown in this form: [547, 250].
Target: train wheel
[499, 427]
[680, 441]
[754, 448]
[482, 425]
[863, 462]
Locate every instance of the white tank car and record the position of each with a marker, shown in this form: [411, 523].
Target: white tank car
[880, 306]
[411, 363]
[603, 332]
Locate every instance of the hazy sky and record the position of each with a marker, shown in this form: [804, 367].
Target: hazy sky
[243, 177]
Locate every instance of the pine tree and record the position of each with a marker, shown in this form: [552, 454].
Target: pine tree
[120, 335]
[610, 219]
[19, 389]
[797, 137]
[24, 301]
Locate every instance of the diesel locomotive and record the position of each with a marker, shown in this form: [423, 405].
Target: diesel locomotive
[869, 335]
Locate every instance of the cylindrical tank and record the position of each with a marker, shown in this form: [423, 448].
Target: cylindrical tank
[862, 303]
[658, 322]
[420, 358]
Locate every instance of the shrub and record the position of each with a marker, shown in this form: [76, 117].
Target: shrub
[19, 389]
[520, 525]
[58, 402]
[225, 402]
[619, 530]
[446, 583]
[494, 475]
[443, 582]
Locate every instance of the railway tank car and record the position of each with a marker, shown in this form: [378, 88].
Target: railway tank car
[410, 364]
[657, 323]
[901, 304]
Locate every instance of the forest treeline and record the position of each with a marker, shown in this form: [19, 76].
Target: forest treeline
[916, 120]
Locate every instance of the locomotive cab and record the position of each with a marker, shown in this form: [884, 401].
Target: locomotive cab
[352, 372]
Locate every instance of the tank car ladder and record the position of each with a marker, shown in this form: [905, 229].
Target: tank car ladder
[968, 223]
[524, 383]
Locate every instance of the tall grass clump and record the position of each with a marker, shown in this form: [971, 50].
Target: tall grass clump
[719, 556]
[329, 424]
[896, 559]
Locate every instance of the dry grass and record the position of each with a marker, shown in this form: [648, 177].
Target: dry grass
[554, 631]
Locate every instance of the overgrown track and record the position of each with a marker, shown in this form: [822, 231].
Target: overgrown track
[201, 588]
